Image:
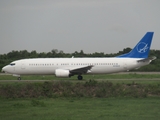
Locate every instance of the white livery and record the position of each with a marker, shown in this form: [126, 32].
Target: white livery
[67, 67]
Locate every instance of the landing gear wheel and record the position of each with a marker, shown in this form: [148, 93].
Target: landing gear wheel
[80, 77]
[19, 78]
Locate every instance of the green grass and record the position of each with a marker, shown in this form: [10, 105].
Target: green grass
[80, 109]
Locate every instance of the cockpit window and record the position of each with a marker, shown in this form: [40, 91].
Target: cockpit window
[12, 64]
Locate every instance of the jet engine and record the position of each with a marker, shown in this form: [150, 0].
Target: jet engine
[62, 73]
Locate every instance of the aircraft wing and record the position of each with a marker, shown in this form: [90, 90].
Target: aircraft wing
[81, 70]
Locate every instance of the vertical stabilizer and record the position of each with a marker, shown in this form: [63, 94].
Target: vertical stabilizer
[141, 50]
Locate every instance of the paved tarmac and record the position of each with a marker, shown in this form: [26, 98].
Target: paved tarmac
[115, 73]
[135, 79]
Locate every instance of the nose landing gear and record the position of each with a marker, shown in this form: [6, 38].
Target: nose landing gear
[80, 77]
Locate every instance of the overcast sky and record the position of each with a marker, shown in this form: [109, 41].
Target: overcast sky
[106, 26]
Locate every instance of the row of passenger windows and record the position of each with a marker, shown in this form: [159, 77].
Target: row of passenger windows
[63, 64]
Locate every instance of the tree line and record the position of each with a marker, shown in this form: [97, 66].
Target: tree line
[16, 55]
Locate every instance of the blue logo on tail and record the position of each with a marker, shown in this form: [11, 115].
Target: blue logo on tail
[142, 47]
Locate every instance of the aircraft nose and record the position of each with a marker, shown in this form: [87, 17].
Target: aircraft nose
[4, 69]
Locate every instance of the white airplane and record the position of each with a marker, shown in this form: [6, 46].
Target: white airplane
[67, 67]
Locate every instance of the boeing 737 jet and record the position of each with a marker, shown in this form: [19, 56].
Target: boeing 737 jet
[67, 67]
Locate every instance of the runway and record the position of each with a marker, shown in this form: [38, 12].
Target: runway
[106, 79]
[115, 73]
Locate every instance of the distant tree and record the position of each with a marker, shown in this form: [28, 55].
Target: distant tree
[42, 55]
[13, 55]
[126, 50]
[54, 53]
[50, 54]
[81, 54]
[33, 54]
[24, 54]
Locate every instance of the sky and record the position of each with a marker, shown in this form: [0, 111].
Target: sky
[106, 26]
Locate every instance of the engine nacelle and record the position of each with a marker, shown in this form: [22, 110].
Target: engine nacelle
[62, 73]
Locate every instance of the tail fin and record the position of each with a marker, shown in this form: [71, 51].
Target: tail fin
[141, 50]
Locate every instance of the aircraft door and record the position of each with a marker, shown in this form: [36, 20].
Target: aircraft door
[23, 66]
[125, 65]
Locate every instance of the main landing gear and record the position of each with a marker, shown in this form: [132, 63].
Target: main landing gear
[18, 76]
[80, 77]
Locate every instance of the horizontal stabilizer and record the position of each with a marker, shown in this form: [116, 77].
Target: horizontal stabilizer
[147, 59]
